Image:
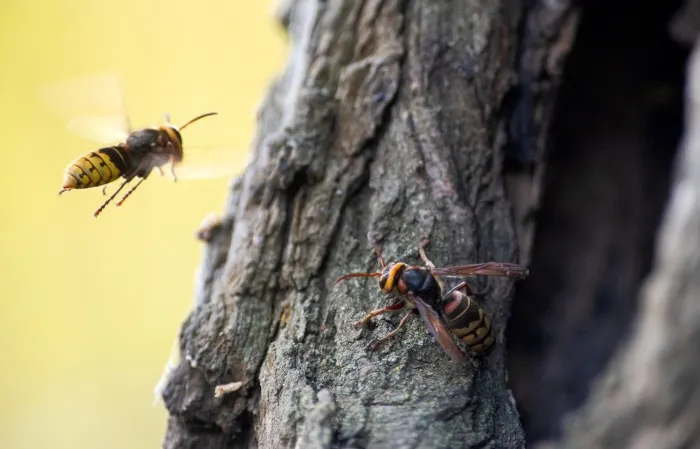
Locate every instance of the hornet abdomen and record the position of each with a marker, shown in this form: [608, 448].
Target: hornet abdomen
[467, 320]
[97, 168]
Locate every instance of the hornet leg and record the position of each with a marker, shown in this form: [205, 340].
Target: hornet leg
[98, 211]
[421, 249]
[391, 334]
[396, 307]
[130, 192]
[462, 285]
[467, 290]
[172, 172]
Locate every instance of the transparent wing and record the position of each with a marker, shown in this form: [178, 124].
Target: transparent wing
[484, 269]
[104, 129]
[438, 329]
[207, 162]
[93, 105]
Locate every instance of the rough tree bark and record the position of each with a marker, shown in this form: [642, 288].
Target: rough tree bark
[412, 117]
[390, 119]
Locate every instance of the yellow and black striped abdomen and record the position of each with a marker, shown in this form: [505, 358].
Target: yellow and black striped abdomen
[97, 168]
[468, 321]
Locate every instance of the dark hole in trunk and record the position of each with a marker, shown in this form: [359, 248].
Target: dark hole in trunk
[616, 127]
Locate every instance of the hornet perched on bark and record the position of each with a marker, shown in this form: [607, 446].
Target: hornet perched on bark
[452, 313]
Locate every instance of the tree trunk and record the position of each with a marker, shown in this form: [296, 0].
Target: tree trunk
[614, 134]
[648, 395]
[410, 118]
[391, 118]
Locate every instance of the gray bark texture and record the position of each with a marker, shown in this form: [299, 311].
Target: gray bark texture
[390, 119]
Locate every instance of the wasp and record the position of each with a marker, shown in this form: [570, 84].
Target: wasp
[455, 313]
[132, 153]
[143, 151]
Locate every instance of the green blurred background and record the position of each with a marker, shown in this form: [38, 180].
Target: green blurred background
[91, 307]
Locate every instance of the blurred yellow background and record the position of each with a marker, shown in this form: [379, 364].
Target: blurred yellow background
[91, 307]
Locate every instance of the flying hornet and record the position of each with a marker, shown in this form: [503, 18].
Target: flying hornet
[96, 107]
[454, 313]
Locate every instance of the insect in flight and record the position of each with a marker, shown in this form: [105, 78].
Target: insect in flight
[453, 313]
[132, 153]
